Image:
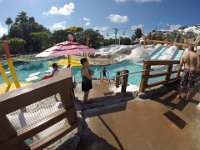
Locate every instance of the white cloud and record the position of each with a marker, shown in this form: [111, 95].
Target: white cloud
[3, 30]
[87, 24]
[137, 1]
[101, 28]
[174, 27]
[134, 27]
[58, 26]
[117, 18]
[86, 19]
[66, 10]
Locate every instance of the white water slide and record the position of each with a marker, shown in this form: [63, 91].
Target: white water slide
[166, 53]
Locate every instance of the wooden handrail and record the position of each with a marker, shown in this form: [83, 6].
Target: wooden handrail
[146, 75]
[165, 42]
[20, 98]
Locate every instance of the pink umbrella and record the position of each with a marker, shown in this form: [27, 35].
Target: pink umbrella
[66, 48]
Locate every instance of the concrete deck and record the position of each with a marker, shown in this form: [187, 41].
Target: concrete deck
[160, 122]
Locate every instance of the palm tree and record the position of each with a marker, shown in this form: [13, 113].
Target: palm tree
[8, 23]
[22, 20]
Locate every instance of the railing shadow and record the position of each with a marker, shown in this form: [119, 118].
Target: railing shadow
[169, 95]
[104, 105]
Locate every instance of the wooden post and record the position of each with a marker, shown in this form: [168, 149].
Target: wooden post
[67, 99]
[125, 81]
[169, 71]
[117, 78]
[144, 44]
[145, 73]
[7, 132]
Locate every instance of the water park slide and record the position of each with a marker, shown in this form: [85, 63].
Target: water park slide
[168, 54]
[155, 51]
[159, 53]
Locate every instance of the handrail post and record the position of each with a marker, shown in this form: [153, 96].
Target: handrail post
[67, 99]
[7, 132]
[169, 70]
[117, 79]
[125, 81]
[145, 73]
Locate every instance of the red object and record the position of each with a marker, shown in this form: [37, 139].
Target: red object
[46, 77]
[87, 40]
[6, 49]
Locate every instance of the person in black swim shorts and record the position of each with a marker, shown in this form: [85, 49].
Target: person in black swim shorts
[87, 78]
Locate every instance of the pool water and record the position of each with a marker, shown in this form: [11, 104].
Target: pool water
[24, 69]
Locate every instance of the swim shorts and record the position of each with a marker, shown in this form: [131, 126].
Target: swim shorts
[188, 79]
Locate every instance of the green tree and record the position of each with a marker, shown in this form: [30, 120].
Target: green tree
[138, 34]
[22, 20]
[8, 22]
[1, 48]
[60, 36]
[16, 45]
[96, 39]
[41, 41]
[109, 41]
[125, 41]
[23, 26]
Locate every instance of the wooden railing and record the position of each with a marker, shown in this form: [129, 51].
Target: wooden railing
[164, 42]
[12, 139]
[147, 66]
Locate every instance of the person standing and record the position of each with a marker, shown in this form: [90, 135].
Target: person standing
[104, 73]
[190, 60]
[87, 78]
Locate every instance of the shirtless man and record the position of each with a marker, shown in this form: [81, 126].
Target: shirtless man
[190, 60]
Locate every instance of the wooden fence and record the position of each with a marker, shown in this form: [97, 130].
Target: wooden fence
[167, 73]
[164, 42]
[12, 139]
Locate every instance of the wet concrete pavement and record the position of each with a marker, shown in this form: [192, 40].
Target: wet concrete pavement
[160, 122]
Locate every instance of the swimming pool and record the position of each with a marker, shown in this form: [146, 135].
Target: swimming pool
[24, 69]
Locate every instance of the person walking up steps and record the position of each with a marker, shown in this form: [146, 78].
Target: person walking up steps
[190, 60]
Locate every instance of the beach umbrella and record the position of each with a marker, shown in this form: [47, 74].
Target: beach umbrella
[66, 48]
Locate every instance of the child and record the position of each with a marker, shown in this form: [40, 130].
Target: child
[55, 69]
[104, 72]
[86, 78]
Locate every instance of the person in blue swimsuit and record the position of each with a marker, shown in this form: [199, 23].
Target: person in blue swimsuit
[87, 78]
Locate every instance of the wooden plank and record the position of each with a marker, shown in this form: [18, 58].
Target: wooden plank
[165, 42]
[172, 79]
[156, 83]
[161, 62]
[157, 75]
[67, 95]
[45, 123]
[169, 71]
[52, 138]
[144, 80]
[33, 93]
[8, 132]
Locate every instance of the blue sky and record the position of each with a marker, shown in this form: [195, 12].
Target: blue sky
[104, 15]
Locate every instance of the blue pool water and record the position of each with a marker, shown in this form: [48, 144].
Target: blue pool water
[24, 69]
